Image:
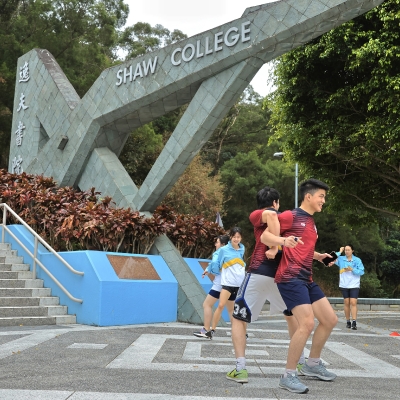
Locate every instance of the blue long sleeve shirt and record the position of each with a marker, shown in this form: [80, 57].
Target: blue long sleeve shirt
[349, 279]
[230, 265]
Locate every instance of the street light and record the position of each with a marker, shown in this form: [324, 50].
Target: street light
[280, 154]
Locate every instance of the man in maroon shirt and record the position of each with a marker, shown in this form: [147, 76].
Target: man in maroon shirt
[258, 284]
[302, 296]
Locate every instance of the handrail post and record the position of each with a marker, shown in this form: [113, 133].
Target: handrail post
[3, 230]
[35, 260]
[34, 257]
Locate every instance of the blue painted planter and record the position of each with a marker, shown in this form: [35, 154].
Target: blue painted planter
[107, 299]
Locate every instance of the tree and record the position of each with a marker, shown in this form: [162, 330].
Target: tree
[336, 109]
[389, 268]
[141, 38]
[243, 176]
[81, 35]
[140, 152]
[244, 128]
[197, 192]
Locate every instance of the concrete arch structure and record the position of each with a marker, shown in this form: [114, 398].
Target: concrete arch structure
[78, 141]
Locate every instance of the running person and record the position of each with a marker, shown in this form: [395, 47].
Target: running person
[213, 294]
[231, 264]
[302, 296]
[350, 268]
[258, 285]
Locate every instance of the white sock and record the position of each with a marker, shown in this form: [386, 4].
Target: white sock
[240, 363]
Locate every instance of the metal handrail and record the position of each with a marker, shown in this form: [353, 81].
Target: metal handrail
[34, 255]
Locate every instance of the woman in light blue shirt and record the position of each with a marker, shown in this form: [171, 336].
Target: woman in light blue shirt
[350, 270]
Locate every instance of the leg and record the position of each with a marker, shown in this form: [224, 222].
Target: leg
[229, 306]
[223, 299]
[207, 307]
[347, 308]
[327, 319]
[305, 319]
[353, 304]
[239, 337]
[292, 325]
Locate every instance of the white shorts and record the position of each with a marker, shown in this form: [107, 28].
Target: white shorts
[216, 284]
[253, 293]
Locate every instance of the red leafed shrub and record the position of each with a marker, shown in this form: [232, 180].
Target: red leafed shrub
[193, 236]
[69, 219]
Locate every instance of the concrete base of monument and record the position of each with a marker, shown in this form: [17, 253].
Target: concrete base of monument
[116, 288]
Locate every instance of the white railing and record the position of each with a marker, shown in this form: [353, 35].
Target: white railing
[38, 239]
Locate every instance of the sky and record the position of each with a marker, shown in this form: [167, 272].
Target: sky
[193, 17]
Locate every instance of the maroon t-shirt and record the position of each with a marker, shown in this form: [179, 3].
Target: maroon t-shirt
[259, 263]
[296, 263]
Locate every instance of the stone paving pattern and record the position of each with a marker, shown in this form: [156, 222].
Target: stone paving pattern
[165, 361]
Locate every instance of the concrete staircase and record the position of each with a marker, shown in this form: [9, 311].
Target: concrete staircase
[23, 299]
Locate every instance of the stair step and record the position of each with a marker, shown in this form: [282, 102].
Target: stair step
[8, 252]
[29, 301]
[21, 283]
[14, 267]
[23, 299]
[16, 275]
[33, 311]
[35, 321]
[11, 260]
[25, 292]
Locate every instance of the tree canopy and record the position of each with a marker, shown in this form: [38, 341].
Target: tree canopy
[83, 36]
[337, 110]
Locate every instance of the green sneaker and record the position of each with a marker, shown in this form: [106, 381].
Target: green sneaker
[238, 376]
[298, 368]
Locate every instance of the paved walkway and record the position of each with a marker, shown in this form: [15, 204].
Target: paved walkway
[165, 361]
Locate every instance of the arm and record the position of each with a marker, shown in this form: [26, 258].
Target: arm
[359, 268]
[214, 265]
[270, 239]
[271, 219]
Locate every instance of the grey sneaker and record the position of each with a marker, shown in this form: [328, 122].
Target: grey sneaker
[293, 384]
[319, 371]
[202, 333]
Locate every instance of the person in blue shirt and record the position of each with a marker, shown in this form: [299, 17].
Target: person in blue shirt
[350, 270]
[231, 266]
[214, 293]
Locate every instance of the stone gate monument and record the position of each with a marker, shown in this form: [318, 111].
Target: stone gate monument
[78, 141]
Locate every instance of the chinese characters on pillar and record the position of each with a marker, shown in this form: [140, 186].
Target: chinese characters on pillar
[24, 73]
[16, 167]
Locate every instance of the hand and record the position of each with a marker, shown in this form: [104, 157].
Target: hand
[341, 250]
[348, 269]
[292, 241]
[330, 264]
[271, 253]
[320, 256]
[204, 274]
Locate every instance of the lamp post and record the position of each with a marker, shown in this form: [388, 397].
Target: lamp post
[280, 154]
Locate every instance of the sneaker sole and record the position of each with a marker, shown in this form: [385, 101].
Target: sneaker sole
[294, 390]
[322, 378]
[201, 335]
[243, 380]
